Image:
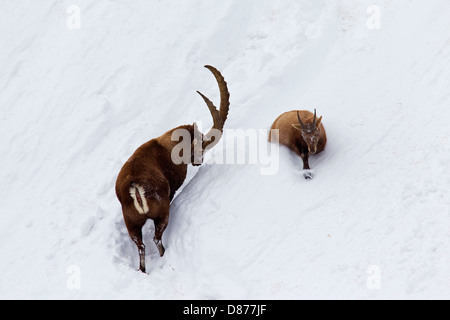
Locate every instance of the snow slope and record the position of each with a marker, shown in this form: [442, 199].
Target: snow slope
[75, 104]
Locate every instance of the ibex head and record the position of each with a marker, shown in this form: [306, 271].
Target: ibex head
[310, 132]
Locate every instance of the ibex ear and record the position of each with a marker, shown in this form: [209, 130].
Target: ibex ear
[318, 121]
[297, 126]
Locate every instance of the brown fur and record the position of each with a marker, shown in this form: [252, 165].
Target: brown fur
[298, 140]
[151, 168]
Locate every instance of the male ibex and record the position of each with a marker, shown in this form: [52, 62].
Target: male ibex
[301, 132]
[149, 179]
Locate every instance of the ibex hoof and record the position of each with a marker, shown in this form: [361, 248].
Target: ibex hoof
[160, 247]
[308, 175]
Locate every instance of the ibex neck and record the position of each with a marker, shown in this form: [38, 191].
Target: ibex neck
[175, 136]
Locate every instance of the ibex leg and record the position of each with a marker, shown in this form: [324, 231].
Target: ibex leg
[305, 158]
[135, 231]
[160, 226]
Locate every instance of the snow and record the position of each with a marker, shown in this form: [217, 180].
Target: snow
[76, 103]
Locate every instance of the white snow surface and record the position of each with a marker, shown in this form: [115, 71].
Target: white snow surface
[75, 104]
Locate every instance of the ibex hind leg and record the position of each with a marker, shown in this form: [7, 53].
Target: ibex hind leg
[135, 232]
[137, 239]
[160, 226]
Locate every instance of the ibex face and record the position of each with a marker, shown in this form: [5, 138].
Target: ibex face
[310, 132]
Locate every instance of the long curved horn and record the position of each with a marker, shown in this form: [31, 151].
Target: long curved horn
[219, 116]
[300, 121]
[224, 94]
[217, 120]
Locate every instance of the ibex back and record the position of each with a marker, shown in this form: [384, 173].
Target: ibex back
[149, 180]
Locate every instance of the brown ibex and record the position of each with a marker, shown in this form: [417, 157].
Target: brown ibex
[149, 179]
[301, 132]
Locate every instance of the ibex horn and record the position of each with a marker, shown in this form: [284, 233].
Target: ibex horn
[300, 121]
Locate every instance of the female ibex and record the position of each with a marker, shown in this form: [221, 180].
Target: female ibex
[149, 179]
[301, 132]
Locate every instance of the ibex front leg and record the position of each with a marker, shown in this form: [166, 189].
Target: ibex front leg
[305, 158]
[306, 169]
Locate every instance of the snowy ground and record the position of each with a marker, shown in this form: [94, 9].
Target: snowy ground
[75, 103]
